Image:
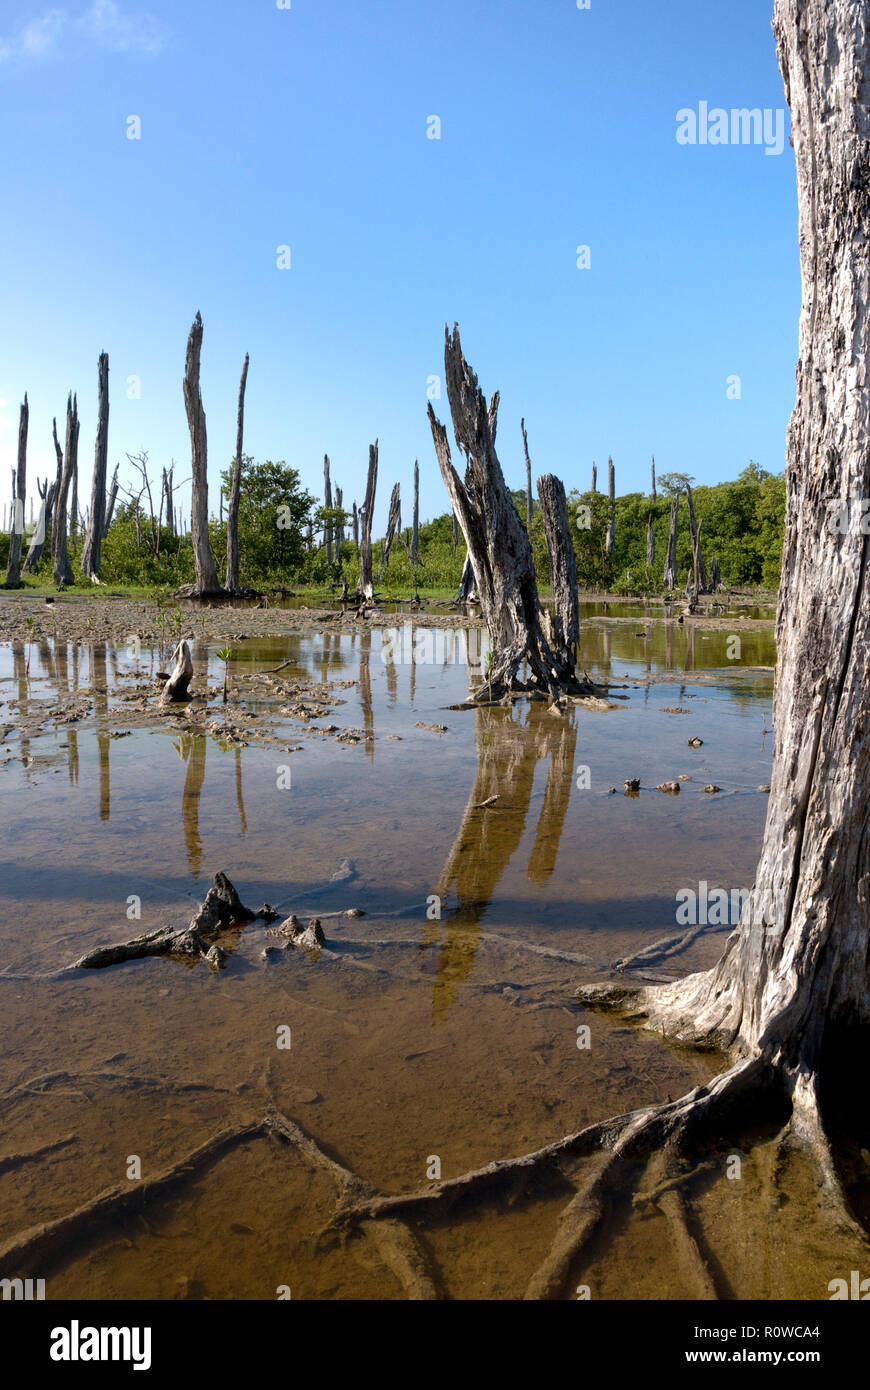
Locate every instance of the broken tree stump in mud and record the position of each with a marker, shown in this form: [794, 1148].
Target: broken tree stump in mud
[221, 909]
[564, 623]
[498, 544]
[176, 688]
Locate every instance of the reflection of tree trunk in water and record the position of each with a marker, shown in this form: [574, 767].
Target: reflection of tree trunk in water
[392, 687]
[506, 760]
[558, 739]
[365, 691]
[669, 646]
[45, 657]
[690, 648]
[99, 688]
[413, 674]
[192, 749]
[19, 670]
[607, 642]
[103, 742]
[72, 757]
[243, 823]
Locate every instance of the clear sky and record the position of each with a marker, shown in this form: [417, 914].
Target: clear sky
[306, 127]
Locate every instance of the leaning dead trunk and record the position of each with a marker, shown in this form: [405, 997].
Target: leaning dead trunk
[13, 568]
[366, 588]
[671, 560]
[232, 576]
[97, 518]
[62, 569]
[529, 503]
[394, 522]
[498, 543]
[47, 492]
[207, 581]
[110, 503]
[564, 624]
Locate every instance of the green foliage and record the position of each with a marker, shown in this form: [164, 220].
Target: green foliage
[274, 514]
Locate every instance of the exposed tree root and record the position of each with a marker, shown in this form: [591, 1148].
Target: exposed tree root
[11, 1161]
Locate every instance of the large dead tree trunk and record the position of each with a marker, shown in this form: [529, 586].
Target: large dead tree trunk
[611, 492]
[232, 576]
[564, 625]
[110, 502]
[355, 525]
[339, 526]
[62, 569]
[19, 497]
[671, 558]
[97, 518]
[394, 522]
[207, 581]
[498, 543]
[529, 503]
[366, 588]
[694, 528]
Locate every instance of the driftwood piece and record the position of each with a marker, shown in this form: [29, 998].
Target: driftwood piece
[97, 515]
[176, 688]
[232, 574]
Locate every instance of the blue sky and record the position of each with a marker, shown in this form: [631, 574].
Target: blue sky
[307, 127]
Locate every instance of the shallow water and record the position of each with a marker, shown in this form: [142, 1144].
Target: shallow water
[421, 1038]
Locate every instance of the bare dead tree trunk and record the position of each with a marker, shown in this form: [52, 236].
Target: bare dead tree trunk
[110, 503]
[366, 588]
[355, 525]
[653, 492]
[13, 568]
[455, 533]
[232, 577]
[62, 569]
[177, 687]
[594, 487]
[611, 492]
[715, 574]
[394, 523]
[47, 491]
[498, 543]
[339, 526]
[695, 581]
[97, 518]
[671, 559]
[529, 502]
[207, 581]
[327, 502]
[694, 528]
[415, 530]
[564, 625]
[467, 585]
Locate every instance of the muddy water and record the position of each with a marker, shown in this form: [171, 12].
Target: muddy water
[422, 1043]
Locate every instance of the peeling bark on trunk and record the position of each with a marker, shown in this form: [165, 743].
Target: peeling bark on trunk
[62, 569]
[394, 522]
[671, 560]
[207, 581]
[529, 503]
[695, 530]
[611, 492]
[498, 543]
[97, 518]
[366, 588]
[13, 568]
[564, 625]
[232, 575]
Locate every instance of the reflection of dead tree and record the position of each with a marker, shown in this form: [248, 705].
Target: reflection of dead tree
[193, 750]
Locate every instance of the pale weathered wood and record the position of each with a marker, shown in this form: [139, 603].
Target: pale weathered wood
[366, 588]
[97, 517]
[232, 573]
[207, 581]
[47, 492]
[611, 493]
[671, 559]
[13, 567]
[327, 502]
[415, 528]
[110, 502]
[178, 685]
[61, 567]
[355, 525]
